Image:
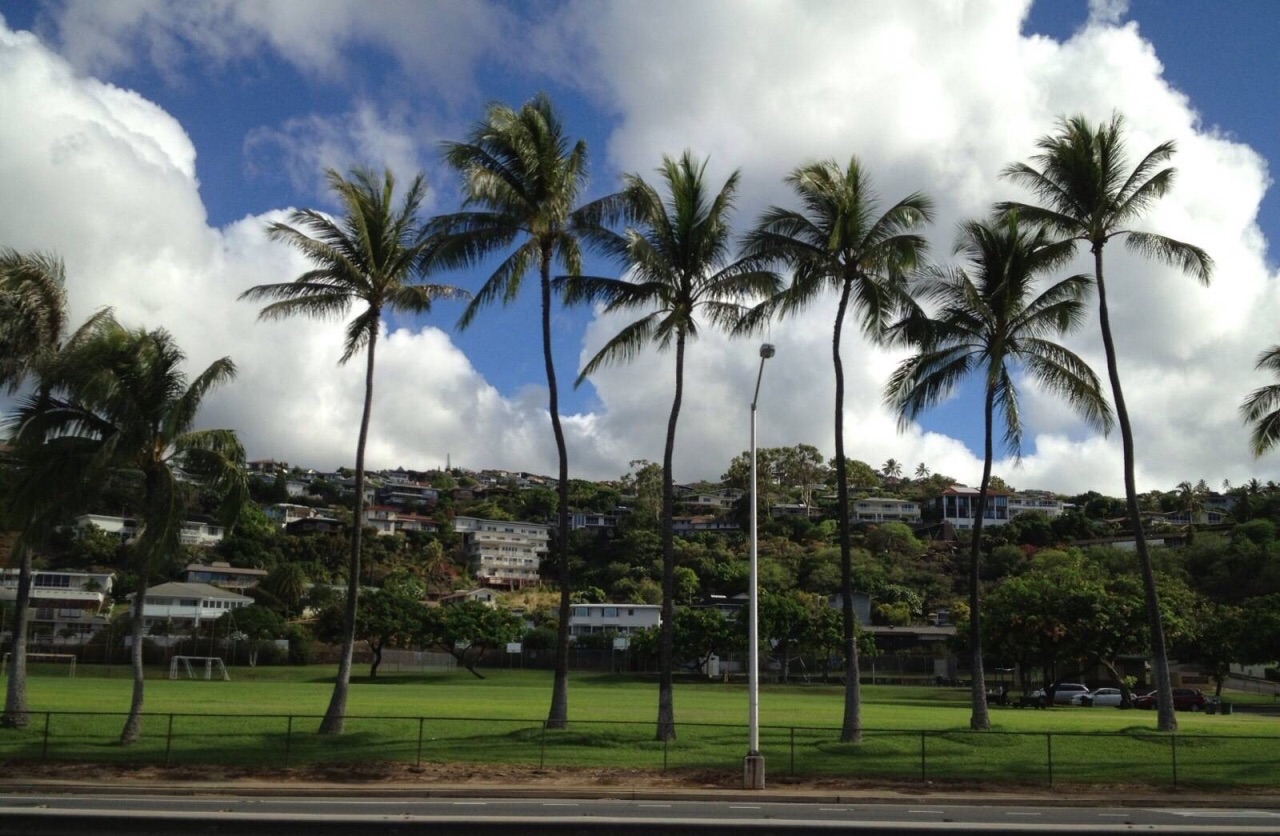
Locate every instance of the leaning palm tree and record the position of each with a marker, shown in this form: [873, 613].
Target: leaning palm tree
[118, 402]
[680, 272]
[841, 240]
[991, 321]
[33, 319]
[522, 182]
[1262, 410]
[1081, 174]
[370, 257]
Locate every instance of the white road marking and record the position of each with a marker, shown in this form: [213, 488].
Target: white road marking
[655, 805]
[742, 807]
[934, 812]
[470, 804]
[559, 804]
[1223, 814]
[1023, 814]
[835, 809]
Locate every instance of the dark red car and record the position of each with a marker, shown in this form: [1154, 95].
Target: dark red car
[1184, 699]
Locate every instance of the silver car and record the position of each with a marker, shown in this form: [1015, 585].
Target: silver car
[1102, 696]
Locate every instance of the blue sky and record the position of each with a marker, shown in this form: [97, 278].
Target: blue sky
[932, 96]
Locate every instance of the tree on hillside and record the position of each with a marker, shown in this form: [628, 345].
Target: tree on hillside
[994, 321]
[1089, 196]
[369, 257]
[119, 402]
[1262, 409]
[522, 181]
[680, 274]
[841, 241]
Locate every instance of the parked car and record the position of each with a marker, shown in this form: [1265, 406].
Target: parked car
[1062, 693]
[1102, 696]
[1184, 699]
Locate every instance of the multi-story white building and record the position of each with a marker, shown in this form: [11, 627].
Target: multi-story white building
[622, 619]
[65, 607]
[959, 503]
[283, 513]
[387, 519]
[185, 606]
[503, 553]
[1042, 501]
[197, 531]
[885, 509]
[220, 573]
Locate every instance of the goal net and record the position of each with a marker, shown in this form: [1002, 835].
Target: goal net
[210, 664]
[56, 660]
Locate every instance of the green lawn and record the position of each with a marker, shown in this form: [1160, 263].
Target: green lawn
[267, 717]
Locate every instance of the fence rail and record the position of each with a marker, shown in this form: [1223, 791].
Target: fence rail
[281, 741]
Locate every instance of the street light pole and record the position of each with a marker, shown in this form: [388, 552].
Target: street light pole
[753, 763]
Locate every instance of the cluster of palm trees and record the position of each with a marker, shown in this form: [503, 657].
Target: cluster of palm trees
[522, 183]
[109, 402]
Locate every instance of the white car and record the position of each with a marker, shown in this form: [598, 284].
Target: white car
[1064, 693]
[1102, 696]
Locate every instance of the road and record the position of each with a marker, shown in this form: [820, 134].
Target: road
[149, 815]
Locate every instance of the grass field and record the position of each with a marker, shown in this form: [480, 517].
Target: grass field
[267, 718]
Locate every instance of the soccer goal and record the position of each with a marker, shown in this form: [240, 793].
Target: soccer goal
[49, 658]
[211, 664]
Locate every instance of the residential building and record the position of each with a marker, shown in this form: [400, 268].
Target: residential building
[958, 504]
[185, 606]
[720, 500]
[283, 513]
[594, 522]
[503, 553]
[885, 509]
[314, 525]
[400, 493]
[223, 574]
[622, 619]
[861, 606]
[488, 597]
[389, 519]
[65, 607]
[1042, 501]
[197, 531]
[692, 525]
[794, 509]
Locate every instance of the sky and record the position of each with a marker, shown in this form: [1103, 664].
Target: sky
[150, 142]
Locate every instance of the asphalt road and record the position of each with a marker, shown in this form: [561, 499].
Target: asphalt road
[148, 815]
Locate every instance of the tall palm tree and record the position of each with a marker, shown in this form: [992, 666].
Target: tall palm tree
[991, 321]
[1190, 497]
[33, 319]
[118, 402]
[841, 241]
[522, 182]
[1090, 196]
[1262, 410]
[892, 469]
[680, 271]
[370, 257]
[922, 471]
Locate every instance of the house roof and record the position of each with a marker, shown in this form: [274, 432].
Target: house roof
[224, 568]
[193, 590]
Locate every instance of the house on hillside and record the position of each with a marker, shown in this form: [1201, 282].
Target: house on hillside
[220, 573]
[183, 607]
[621, 619]
[65, 607]
[506, 554]
[879, 509]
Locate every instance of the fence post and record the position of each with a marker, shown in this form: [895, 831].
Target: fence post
[1048, 739]
[44, 747]
[288, 740]
[1173, 756]
[168, 741]
[793, 750]
[922, 756]
[664, 754]
[418, 763]
[542, 747]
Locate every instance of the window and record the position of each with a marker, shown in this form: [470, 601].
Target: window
[610, 612]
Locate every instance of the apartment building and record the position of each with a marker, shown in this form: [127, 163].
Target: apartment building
[505, 554]
[878, 509]
[65, 607]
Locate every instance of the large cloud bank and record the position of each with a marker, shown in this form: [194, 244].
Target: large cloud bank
[932, 96]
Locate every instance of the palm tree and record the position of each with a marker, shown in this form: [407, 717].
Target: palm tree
[522, 182]
[922, 471]
[370, 257]
[892, 469]
[1262, 410]
[680, 272]
[841, 241]
[1190, 498]
[33, 319]
[118, 402]
[991, 321]
[1089, 196]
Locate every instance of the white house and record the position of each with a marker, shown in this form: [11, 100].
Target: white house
[958, 503]
[1042, 501]
[197, 531]
[186, 606]
[65, 607]
[283, 513]
[622, 619]
[223, 574]
[885, 509]
[503, 553]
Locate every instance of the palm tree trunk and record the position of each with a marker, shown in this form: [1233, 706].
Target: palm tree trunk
[335, 714]
[667, 630]
[558, 715]
[1165, 721]
[980, 719]
[15, 696]
[133, 723]
[851, 728]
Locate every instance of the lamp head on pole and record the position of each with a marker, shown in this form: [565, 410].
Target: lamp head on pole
[766, 351]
